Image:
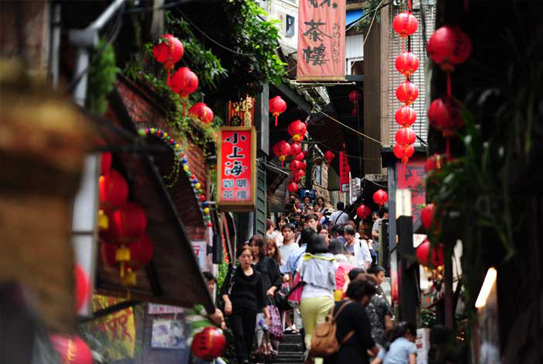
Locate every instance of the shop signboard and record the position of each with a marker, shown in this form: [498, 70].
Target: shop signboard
[241, 113]
[344, 172]
[236, 168]
[411, 177]
[200, 251]
[321, 40]
[156, 309]
[168, 334]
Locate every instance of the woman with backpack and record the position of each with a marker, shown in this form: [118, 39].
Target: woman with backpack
[317, 270]
[402, 349]
[244, 296]
[353, 329]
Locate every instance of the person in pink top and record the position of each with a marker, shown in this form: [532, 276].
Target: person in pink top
[337, 248]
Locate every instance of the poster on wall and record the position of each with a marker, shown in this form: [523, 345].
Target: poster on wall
[236, 169]
[168, 334]
[321, 40]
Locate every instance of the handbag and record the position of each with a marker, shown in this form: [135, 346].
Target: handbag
[276, 326]
[281, 300]
[324, 341]
[295, 295]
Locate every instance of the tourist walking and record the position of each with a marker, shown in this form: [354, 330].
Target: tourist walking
[344, 267]
[402, 349]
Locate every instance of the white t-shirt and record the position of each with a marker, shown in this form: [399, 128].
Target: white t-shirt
[285, 251]
[339, 218]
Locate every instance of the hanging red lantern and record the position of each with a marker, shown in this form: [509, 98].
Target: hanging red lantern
[113, 190]
[428, 256]
[354, 96]
[203, 112]
[184, 82]
[127, 224]
[277, 107]
[407, 92]
[329, 156]
[296, 165]
[82, 287]
[168, 51]
[407, 63]
[448, 47]
[71, 349]
[405, 24]
[404, 152]
[209, 344]
[363, 212]
[380, 197]
[141, 253]
[105, 163]
[281, 149]
[297, 130]
[444, 115]
[427, 215]
[292, 187]
[405, 136]
[405, 116]
[295, 149]
[300, 157]
[300, 173]
[435, 162]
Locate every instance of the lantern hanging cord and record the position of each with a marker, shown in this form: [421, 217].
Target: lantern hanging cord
[351, 129]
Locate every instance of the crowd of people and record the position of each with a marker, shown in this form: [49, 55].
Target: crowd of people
[319, 262]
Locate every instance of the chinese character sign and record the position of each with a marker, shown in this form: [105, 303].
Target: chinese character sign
[236, 169]
[411, 176]
[241, 113]
[344, 171]
[321, 40]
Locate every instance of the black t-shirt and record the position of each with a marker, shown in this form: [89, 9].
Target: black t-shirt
[354, 350]
[271, 276]
[247, 291]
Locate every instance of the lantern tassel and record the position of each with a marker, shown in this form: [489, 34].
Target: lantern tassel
[276, 120]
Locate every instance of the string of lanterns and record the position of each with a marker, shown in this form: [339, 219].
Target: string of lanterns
[405, 24]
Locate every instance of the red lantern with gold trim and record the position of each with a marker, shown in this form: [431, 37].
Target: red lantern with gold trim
[448, 47]
[184, 82]
[141, 253]
[430, 256]
[380, 197]
[203, 112]
[168, 51]
[296, 165]
[295, 149]
[355, 96]
[71, 349]
[363, 212]
[405, 24]
[297, 130]
[405, 136]
[127, 224]
[292, 187]
[407, 92]
[444, 116]
[405, 116]
[403, 152]
[277, 107]
[209, 344]
[329, 156]
[427, 215]
[300, 157]
[407, 63]
[435, 162]
[282, 150]
[113, 190]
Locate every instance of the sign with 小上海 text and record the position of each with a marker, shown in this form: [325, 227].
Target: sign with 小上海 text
[321, 40]
[344, 171]
[236, 169]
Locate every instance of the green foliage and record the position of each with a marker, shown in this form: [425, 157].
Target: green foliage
[102, 76]
[370, 8]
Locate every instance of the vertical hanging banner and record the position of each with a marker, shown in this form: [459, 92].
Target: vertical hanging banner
[321, 40]
[411, 177]
[344, 172]
[236, 169]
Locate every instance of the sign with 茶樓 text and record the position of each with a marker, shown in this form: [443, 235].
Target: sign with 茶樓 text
[236, 169]
[321, 40]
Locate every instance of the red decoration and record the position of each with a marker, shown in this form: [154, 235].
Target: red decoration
[168, 51]
[354, 96]
[105, 163]
[407, 63]
[82, 287]
[300, 173]
[113, 190]
[407, 92]
[380, 197]
[403, 152]
[435, 162]
[184, 82]
[363, 212]
[300, 157]
[127, 223]
[209, 344]
[405, 24]
[306, 153]
[296, 165]
[292, 187]
[277, 107]
[405, 116]
[405, 136]
[448, 47]
[71, 349]
[444, 115]
[295, 149]
[141, 253]
[425, 251]
[329, 156]
[297, 130]
[202, 112]
[427, 215]
[281, 149]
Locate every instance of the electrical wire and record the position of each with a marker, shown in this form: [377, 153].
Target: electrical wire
[379, 7]
[352, 129]
[371, 24]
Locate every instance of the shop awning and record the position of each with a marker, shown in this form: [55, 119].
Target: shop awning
[173, 277]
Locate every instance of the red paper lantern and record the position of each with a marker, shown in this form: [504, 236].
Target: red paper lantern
[405, 116]
[201, 111]
[407, 92]
[141, 253]
[127, 224]
[300, 157]
[427, 215]
[71, 349]
[300, 173]
[428, 256]
[105, 163]
[354, 111]
[380, 197]
[405, 24]
[297, 130]
[184, 82]
[354, 96]
[296, 165]
[82, 287]
[407, 63]
[292, 187]
[281, 149]
[444, 115]
[295, 149]
[168, 51]
[277, 107]
[113, 190]
[363, 212]
[329, 156]
[434, 162]
[405, 136]
[404, 152]
[448, 47]
[209, 344]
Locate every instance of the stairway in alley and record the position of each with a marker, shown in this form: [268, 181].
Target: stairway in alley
[290, 350]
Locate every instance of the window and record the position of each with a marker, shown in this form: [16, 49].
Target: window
[289, 27]
[317, 175]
